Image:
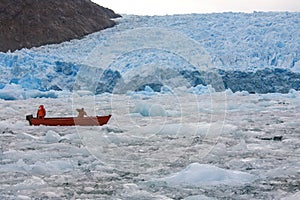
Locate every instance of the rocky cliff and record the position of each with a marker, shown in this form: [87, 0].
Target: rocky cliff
[31, 23]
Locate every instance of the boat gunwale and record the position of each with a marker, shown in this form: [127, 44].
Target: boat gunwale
[69, 121]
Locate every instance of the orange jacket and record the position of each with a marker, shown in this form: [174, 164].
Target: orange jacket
[41, 113]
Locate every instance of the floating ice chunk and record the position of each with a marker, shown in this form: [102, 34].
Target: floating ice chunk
[32, 183]
[199, 197]
[201, 89]
[20, 165]
[293, 93]
[16, 92]
[132, 191]
[242, 146]
[84, 93]
[153, 110]
[23, 197]
[88, 189]
[242, 93]
[26, 136]
[148, 110]
[71, 138]
[295, 196]
[39, 94]
[12, 92]
[290, 169]
[229, 91]
[208, 130]
[201, 174]
[166, 90]
[52, 137]
[56, 166]
[148, 89]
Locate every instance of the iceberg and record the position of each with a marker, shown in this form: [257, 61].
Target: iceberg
[201, 174]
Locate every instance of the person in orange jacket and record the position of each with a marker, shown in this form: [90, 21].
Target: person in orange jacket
[41, 113]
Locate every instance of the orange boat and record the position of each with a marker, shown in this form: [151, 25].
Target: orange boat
[69, 121]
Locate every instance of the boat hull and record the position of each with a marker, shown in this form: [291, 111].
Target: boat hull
[69, 121]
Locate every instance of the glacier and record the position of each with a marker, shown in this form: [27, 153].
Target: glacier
[255, 52]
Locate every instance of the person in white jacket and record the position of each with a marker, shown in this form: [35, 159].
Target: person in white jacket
[81, 112]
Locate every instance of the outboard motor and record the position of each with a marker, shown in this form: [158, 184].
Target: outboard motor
[28, 118]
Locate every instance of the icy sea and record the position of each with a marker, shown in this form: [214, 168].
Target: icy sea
[204, 106]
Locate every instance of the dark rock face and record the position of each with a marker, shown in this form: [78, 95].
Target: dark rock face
[262, 81]
[29, 23]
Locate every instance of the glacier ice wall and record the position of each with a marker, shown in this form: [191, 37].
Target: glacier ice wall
[256, 52]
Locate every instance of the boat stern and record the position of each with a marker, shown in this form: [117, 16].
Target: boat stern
[28, 118]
